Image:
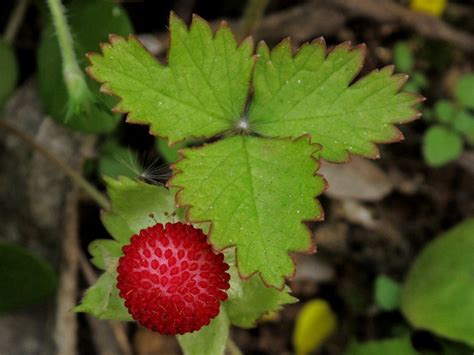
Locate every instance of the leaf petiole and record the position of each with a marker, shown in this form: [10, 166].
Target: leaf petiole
[78, 91]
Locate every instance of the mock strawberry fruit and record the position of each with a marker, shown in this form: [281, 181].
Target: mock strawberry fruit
[171, 280]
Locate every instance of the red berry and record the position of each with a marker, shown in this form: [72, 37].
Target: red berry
[171, 280]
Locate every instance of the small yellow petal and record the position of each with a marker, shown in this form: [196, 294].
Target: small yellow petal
[314, 324]
[430, 7]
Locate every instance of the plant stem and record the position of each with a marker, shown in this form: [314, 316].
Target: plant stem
[253, 13]
[232, 348]
[74, 79]
[15, 20]
[76, 177]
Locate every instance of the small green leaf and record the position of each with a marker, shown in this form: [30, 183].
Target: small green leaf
[465, 90]
[116, 161]
[387, 293]
[403, 57]
[105, 253]
[202, 91]
[135, 206]
[251, 299]
[438, 294]
[445, 111]
[257, 192]
[9, 70]
[25, 279]
[310, 93]
[102, 300]
[209, 340]
[394, 346]
[170, 154]
[441, 145]
[464, 124]
[91, 22]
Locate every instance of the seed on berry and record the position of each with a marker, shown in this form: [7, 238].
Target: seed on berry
[171, 280]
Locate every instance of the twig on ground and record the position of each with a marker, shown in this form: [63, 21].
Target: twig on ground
[117, 329]
[65, 333]
[76, 177]
[15, 21]
[388, 11]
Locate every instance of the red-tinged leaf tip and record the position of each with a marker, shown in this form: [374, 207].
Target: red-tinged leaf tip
[319, 41]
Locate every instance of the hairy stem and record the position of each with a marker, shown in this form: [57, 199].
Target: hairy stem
[253, 13]
[15, 20]
[74, 78]
[76, 177]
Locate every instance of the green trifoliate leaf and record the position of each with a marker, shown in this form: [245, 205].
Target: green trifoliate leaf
[393, 346]
[310, 93]
[257, 192]
[441, 145]
[102, 300]
[210, 340]
[26, 279]
[135, 206]
[201, 92]
[251, 299]
[9, 70]
[91, 22]
[438, 294]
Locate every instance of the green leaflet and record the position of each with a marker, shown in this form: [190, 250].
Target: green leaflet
[386, 293]
[465, 90]
[210, 340]
[115, 161]
[251, 299]
[441, 145]
[26, 279]
[102, 299]
[135, 206]
[105, 253]
[438, 294]
[201, 92]
[257, 192]
[309, 93]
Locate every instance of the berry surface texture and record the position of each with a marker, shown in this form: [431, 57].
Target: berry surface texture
[171, 279]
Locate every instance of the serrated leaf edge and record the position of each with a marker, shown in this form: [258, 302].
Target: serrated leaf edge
[312, 246]
[400, 77]
[114, 38]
